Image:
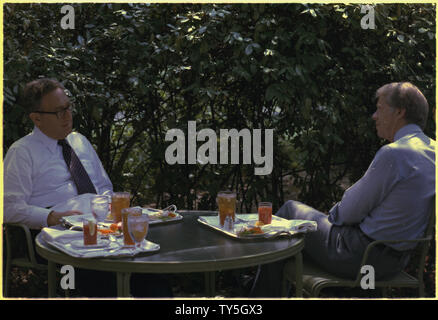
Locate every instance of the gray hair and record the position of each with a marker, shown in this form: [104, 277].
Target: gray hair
[404, 95]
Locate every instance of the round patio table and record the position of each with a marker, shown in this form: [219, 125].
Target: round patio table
[186, 246]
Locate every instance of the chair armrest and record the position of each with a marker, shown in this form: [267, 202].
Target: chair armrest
[29, 240]
[377, 242]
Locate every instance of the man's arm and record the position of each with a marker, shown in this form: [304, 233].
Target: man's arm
[368, 192]
[18, 188]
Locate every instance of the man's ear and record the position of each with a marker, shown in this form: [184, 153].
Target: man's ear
[35, 117]
[401, 113]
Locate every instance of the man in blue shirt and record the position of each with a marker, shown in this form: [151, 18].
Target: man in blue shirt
[391, 201]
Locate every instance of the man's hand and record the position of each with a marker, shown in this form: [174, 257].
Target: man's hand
[54, 217]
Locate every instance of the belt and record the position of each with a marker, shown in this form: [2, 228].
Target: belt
[383, 247]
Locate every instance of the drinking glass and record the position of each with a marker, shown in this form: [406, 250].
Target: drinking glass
[138, 226]
[90, 231]
[127, 240]
[265, 212]
[226, 201]
[99, 207]
[120, 200]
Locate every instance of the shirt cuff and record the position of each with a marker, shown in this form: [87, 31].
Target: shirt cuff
[39, 218]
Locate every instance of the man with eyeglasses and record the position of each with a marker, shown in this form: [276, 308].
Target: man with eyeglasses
[36, 176]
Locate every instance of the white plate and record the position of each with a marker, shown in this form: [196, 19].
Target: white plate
[155, 216]
[79, 244]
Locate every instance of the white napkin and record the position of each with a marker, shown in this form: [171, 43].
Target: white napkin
[294, 226]
[61, 240]
[60, 236]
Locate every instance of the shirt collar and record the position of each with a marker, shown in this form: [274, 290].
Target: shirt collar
[407, 129]
[50, 143]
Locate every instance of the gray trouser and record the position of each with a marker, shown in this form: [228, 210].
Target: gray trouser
[337, 249]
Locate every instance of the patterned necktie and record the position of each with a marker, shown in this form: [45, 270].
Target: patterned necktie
[77, 170]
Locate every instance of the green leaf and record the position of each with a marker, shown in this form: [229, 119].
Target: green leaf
[248, 49]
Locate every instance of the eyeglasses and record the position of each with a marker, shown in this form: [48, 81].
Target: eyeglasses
[59, 114]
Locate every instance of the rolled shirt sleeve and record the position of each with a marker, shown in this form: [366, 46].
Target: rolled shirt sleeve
[368, 192]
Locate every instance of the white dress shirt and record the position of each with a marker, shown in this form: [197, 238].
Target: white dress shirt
[36, 176]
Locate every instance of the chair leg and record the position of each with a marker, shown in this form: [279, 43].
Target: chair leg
[421, 290]
[210, 283]
[51, 276]
[285, 285]
[299, 275]
[7, 278]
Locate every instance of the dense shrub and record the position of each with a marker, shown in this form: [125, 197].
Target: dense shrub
[309, 72]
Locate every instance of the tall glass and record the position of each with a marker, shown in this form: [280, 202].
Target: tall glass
[126, 212]
[119, 201]
[100, 207]
[138, 226]
[265, 212]
[226, 201]
[90, 231]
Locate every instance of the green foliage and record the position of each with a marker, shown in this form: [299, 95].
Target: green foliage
[307, 71]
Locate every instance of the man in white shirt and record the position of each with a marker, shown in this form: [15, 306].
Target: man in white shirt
[36, 176]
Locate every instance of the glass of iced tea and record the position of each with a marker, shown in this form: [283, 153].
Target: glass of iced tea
[126, 212]
[90, 232]
[119, 201]
[226, 201]
[138, 226]
[265, 212]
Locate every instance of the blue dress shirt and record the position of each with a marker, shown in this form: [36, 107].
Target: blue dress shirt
[392, 200]
[36, 176]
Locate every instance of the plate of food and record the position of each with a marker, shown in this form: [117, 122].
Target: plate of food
[113, 229]
[250, 232]
[247, 226]
[168, 214]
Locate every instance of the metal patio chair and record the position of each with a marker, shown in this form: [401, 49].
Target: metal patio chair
[315, 278]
